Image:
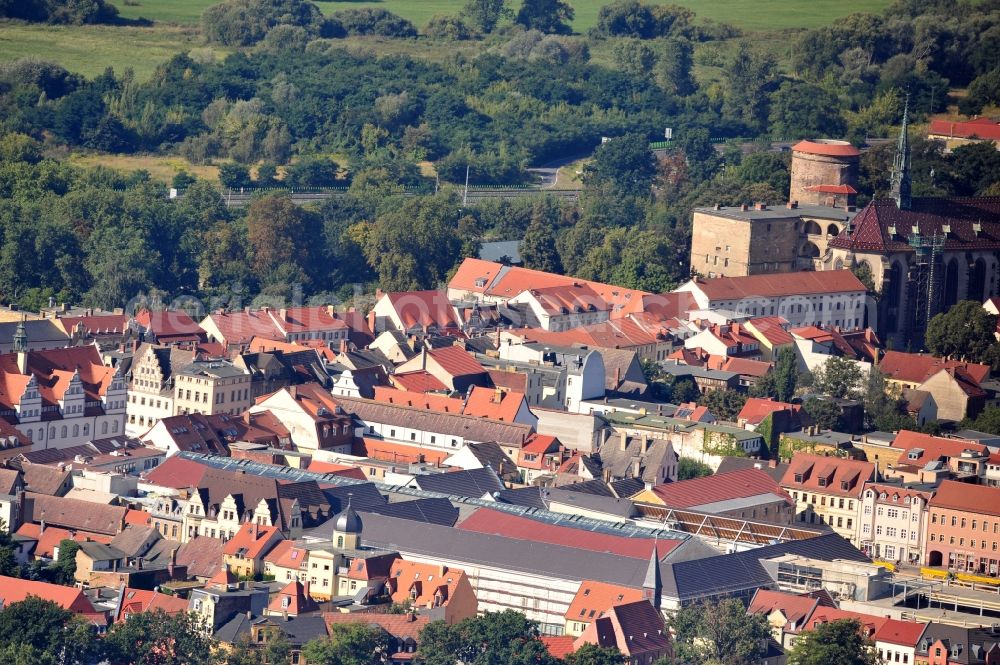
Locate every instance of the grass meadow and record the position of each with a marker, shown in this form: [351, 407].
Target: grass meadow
[754, 15]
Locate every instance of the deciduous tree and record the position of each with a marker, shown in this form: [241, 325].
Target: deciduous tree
[965, 332]
[834, 643]
[548, 16]
[719, 631]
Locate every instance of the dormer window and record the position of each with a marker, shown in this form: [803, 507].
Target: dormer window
[798, 477]
[844, 485]
[822, 482]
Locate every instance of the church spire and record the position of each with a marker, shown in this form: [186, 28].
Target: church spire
[20, 339]
[651, 585]
[901, 185]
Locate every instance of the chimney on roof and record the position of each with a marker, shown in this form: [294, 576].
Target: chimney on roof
[760, 206]
[138, 563]
[744, 207]
[792, 205]
[305, 589]
[623, 441]
[497, 395]
[331, 311]
[718, 206]
[293, 391]
[423, 356]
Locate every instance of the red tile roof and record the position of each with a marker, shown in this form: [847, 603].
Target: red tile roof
[904, 633]
[397, 452]
[420, 583]
[558, 646]
[499, 281]
[137, 517]
[870, 624]
[418, 381]
[177, 473]
[933, 447]
[424, 309]
[795, 607]
[510, 380]
[970, 498]
[456, 361]
[170, 325]
[15, 590]
[594, 599]
[721, 487]
[53, 370]
[918, 367]
[439, 403]
[293, 599]
[744, 366]
[982, 128]
[493, 403]
[287, 554]
[835, 472]
[337, 469]
[772, 328]
[489, 521]
[787, 284]
[49, 539]
[756, 409]
[400, 626]
[568, 298]
[253, 540]
[827, 147]
[95, 324]
[136, 601]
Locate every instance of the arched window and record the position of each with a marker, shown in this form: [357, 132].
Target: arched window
[809, 250]
[813, 229]
[76, 430]
[951, 284]
[340, 541]
[977, 281]
[832, 231]
[104, 427]
[65, 431]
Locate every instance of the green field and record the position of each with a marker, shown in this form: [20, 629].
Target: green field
[748, 14]
[89, 49]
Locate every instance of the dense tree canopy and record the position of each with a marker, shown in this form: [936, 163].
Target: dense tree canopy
[965, 332]
[719, 632]
[494, 638]
[834, 643]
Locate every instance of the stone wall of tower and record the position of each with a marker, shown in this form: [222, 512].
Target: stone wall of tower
[810, 169]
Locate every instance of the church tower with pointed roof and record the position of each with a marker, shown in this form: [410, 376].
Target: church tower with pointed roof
[652, 586]
[901, 184]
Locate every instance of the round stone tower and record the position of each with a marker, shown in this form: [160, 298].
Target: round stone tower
[824, 172]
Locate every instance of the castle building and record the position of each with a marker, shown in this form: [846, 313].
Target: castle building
[751, 240]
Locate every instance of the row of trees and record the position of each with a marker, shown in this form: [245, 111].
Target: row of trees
[39, 632]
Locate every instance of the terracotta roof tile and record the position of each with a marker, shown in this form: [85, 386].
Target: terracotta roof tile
[419, 381]
[594, 599]
[14, 590]
[720, 487]
[253, 540]
[827, 475]
[787, 284]
[829, 148]
[970, 498]
[981, 128]
[424, 309]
